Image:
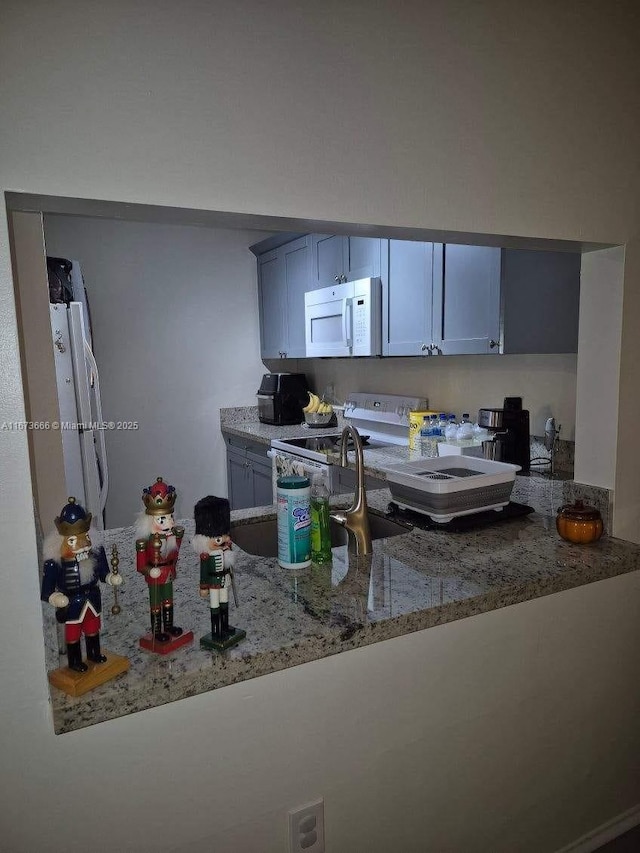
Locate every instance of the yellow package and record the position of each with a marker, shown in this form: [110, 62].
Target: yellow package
[415, 425]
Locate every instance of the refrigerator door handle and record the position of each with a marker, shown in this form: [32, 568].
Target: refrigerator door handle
[98, 403]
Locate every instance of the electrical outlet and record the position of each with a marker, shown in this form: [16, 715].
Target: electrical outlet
[306, 828]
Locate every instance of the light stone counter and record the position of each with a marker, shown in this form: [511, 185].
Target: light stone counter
[411, 582]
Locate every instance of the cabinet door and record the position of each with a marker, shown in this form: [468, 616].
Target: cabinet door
[363, 257]
[540, 301]
[272, 294]
[239, 484]
[466, 299]
[328, 259]
[296, 264]
[262, 484]
[408, 299]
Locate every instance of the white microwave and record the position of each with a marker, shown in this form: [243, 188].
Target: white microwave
[345, 319]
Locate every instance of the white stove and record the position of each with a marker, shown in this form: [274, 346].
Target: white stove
[381, 419]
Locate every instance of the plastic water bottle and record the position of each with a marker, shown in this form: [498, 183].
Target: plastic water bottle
[429, 435]
[465, 430]
[451, 431]
[320, 531]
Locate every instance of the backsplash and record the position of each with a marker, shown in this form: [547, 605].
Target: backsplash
[563, 457]
[239, 415]
[459, 383]
[601, 499]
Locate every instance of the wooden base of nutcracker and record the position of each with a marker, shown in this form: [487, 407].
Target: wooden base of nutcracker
[207, 642]
[76, 683]
[150, 644]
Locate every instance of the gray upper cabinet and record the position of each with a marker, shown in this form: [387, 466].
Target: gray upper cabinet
[466, 299]
[337, 258]
[407, 299]
[283, 279]
[540, 301]
[438, 299]
[272, 297]
[328, 264]
[463, 300]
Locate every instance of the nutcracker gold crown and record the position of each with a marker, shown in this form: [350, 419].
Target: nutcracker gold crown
[73, 520]
[159, 498]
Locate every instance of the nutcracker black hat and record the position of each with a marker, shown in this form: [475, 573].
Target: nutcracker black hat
[212, 516]
[73, 520]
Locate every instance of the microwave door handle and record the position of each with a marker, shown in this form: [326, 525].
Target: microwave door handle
[346, 326]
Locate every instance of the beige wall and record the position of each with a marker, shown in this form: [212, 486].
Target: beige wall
[547, 383]
[501, 118]
[41, 392]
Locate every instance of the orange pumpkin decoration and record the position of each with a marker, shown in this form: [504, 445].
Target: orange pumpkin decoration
[579, 523]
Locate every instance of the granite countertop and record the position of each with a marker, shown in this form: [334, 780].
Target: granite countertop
[411, 582]
[244, 422]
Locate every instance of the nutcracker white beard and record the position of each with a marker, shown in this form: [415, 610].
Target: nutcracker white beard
[168, 545]
[86, 570]
[144, 529]
[52, 549]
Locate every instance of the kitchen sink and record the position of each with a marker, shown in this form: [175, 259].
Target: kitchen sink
[261, 537]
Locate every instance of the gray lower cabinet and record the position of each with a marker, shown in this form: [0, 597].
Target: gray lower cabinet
[446, 299]
[284, 276]
[249, 479]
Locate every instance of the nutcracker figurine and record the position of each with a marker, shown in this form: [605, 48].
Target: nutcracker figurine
[158, 542]
[213, 543]
[70, 582]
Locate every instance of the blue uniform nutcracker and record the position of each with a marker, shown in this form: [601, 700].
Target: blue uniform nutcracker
[70, 582]
[212, 543]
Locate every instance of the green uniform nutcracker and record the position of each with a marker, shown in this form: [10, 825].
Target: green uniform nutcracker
[212, 543]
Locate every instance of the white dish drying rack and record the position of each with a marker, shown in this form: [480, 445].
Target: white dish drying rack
[448, 486]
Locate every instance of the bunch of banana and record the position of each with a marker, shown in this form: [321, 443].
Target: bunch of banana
[317, 406]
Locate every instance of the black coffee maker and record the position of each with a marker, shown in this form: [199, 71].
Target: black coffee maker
[510, 433]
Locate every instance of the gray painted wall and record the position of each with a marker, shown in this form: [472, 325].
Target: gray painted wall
[175, 316]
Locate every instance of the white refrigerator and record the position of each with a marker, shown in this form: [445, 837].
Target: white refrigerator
[81, 421]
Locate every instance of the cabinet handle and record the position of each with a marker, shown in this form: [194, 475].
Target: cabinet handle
[424, 347]
[340, 279]
[493, 344]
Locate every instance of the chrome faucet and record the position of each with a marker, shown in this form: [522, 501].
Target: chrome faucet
[356, 518]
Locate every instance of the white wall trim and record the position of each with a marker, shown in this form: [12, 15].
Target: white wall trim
[605, 832]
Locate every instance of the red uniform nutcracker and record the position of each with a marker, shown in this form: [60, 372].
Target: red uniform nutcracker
[158, 542]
